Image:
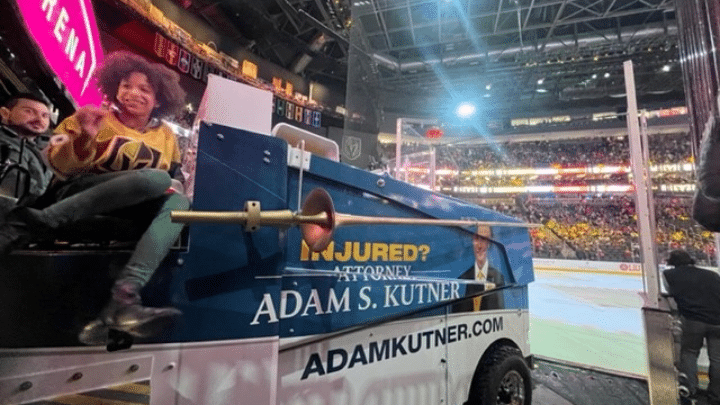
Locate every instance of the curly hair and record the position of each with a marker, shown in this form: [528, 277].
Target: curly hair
[164, 82]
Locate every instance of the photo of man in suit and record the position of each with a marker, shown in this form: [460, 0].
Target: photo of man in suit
[481, 271]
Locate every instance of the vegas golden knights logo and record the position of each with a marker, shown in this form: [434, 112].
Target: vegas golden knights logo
[352, 147]
[129, 154]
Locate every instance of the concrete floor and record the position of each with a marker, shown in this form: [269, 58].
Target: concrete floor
[562, 384]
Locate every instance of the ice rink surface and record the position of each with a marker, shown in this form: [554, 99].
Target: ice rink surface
[593, 320]
[588, 318]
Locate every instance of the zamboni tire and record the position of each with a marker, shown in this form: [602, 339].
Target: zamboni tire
[503, 379]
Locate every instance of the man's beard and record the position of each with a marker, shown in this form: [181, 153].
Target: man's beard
[24, 131]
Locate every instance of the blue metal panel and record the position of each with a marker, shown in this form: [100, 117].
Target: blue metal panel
[227, 271]
[231, 286]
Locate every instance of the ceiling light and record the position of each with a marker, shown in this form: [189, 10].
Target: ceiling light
[542, 90]
[541, 81]
[606, 75]
[488, 86]
[594, 76]
[666, 68]
[465, 110]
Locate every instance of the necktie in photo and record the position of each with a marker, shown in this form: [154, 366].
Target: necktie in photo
[478, 300]
[476, 303]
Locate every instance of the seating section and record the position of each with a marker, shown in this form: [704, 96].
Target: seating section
[587, 226]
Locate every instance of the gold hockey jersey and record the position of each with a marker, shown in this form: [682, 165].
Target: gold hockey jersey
[115, 148]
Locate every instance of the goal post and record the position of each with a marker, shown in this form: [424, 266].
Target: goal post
[415, 156]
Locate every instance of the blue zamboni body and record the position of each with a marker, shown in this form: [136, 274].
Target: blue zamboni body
[235, 284]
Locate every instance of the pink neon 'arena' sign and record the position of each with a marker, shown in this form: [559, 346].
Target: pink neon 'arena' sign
[67, 35]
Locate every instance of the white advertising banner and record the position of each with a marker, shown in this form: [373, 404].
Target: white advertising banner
[587, 266]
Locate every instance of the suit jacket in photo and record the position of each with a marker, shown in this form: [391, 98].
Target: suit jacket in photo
[490, 301]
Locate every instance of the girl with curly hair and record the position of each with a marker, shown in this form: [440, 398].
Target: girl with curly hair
[124, 158]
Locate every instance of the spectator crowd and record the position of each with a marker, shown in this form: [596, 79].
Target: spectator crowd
[585, 227]
[664, 149]
[605, 228]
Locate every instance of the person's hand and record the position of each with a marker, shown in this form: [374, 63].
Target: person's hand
[177, 186]
[90, 119]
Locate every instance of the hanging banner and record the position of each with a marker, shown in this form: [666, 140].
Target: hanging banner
[171, 53]
[66, 34]
[197, 68]
[295, 113]
[184, 61]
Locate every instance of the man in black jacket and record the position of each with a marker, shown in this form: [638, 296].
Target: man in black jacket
[481, 271]
[697, 294]
[25, 117]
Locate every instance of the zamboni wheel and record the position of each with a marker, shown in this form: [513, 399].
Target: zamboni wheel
[503, 379]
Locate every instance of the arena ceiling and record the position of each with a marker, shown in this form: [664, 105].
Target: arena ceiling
[536, 55]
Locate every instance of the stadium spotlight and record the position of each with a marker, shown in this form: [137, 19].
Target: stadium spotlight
[465, 110]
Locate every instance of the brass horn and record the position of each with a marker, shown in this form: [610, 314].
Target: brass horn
[317, 219]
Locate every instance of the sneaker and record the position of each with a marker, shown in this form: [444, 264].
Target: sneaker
[137, 321]
[142, 322]
[94, 333]
[97, 333]
[124, 313]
